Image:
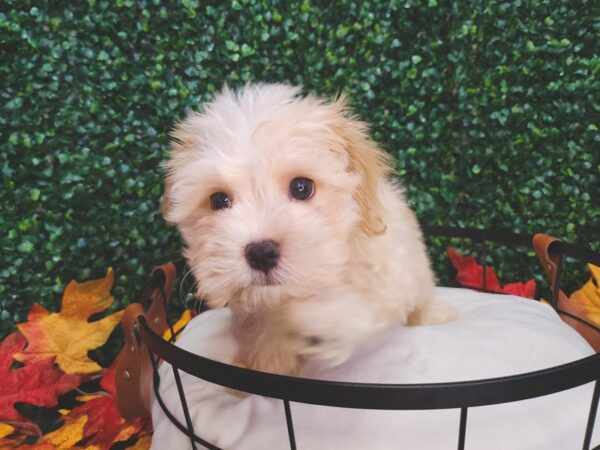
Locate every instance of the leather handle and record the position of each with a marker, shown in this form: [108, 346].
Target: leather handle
[542, 244]
[157, 311]
[132, 398]
[133, 366]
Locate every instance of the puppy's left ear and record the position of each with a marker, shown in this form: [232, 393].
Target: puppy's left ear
[367, 160]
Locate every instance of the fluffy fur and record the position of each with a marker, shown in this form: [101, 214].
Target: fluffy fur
[352, 258]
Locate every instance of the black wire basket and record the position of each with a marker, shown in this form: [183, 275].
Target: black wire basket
[453, 395]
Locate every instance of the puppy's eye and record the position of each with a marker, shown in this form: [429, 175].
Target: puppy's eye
[302, 188]
[220, 200]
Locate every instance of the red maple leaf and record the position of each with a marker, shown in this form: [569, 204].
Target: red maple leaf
[104, 425]
[470, 274]
[38, 383]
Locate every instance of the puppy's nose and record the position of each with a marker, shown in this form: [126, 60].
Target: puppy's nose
[262, 255]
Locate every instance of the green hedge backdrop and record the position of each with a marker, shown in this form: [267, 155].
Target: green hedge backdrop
[491, 108]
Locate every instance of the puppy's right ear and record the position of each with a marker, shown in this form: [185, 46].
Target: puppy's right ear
[184, 136]
[164, 201]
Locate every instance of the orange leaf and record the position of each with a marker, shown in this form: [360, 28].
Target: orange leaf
[587, 299]
[66, 436]
[6, 430]
[68, 336]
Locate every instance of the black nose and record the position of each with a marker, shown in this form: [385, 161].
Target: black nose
[262, 255]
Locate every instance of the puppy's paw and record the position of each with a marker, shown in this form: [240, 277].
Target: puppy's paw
[432, 313]
[329, 328]
[271, 354]
[323, 345]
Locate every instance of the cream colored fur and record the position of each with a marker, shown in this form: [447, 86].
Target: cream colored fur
[352, 257]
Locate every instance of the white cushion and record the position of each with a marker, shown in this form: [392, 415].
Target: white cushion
[495, 335]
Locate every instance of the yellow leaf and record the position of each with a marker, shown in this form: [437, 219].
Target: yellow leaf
[177, 326]
[68, 435]
[6, 430]
[87, 398]
[142, 443]
[587, 299]
[68, 336]
[81, 300]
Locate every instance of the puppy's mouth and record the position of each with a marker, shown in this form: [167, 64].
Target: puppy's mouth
[265, 279]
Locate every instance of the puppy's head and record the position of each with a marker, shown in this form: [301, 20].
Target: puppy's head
[268, 189]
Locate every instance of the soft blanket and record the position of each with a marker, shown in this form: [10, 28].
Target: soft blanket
[495, 335]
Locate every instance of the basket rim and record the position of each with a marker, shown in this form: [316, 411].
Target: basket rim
[385, 396]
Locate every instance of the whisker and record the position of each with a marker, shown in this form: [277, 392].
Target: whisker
[285, 273]
[198, 304]
[185, 275]
[183, 297]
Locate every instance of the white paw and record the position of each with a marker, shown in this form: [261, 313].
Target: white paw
[328, 329]
[432, 313]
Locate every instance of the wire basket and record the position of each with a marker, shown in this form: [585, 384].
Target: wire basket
[144, 339]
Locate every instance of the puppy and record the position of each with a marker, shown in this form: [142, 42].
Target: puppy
[290, 217]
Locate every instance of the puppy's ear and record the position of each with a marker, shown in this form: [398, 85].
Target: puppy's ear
[369, 161]
[164, 201]
[183, 137]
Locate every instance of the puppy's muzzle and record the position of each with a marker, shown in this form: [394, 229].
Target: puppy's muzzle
[262, 255]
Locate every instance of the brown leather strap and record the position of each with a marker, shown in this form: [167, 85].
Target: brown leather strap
[157, 311]
[542, 244]
[133, 365]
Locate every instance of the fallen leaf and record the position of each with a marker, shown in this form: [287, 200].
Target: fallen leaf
[470, 274]
[67, 435]
[38, 383]
[36, 446]
[142, 443]
[178, 326]
[587, 299]
[67, 336]
[6, 430]
[526, 289]
[104, 425]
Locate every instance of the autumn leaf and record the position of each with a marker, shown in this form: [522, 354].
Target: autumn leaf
[67, 336]
[66, 436]
[526, 289]
[104, 425]
[587, 299]
[142, 443]
[9, 437]
[36, 446]
[6, 430]
[470, 274]
[185, 318]
[20, 432]
[38, 383]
